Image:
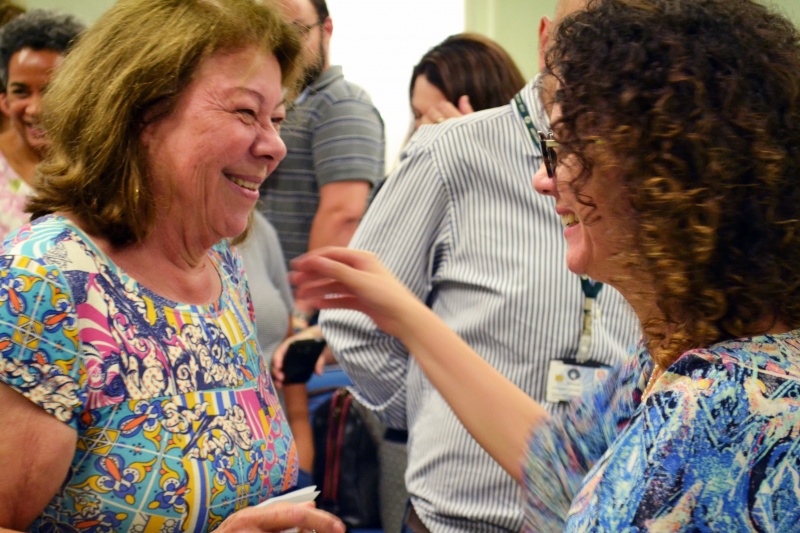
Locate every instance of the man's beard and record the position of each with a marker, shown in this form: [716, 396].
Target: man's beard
[314, 70]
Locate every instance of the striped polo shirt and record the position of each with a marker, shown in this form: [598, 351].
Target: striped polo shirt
[332, 133]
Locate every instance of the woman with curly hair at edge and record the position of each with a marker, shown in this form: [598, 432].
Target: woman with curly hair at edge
[674, 165]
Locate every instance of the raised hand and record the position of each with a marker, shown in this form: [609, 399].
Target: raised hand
[354, 279]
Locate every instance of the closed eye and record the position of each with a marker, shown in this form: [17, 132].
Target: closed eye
[248, 115]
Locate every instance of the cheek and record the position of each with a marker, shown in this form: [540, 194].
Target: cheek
[16, 108]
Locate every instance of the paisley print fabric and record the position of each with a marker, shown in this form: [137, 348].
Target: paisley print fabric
[715, 447]
[177, 419]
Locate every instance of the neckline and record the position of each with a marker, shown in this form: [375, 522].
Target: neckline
[127, 280]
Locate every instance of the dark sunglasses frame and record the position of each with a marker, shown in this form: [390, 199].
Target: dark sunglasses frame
[549, 144]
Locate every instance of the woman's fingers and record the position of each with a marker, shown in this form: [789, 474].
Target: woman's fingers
[464, 105]
[280, 517]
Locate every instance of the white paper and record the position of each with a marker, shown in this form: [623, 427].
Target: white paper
[306, 494]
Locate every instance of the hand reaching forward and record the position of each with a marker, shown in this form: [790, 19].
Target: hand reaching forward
[281, 517]
[353, 279]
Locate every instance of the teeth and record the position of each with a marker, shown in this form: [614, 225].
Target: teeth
[245, 184]
[569, 220]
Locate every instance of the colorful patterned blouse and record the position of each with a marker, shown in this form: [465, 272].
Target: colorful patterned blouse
[178, 423]
[715, 447]
[13, 196]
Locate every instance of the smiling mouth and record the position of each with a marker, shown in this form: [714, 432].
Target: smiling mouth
[35, 129]
[249, 185]
[569, 220]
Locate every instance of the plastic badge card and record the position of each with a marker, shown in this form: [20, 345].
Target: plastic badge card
[304, 495]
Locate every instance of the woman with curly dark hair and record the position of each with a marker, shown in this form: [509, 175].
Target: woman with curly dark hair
[674, 165]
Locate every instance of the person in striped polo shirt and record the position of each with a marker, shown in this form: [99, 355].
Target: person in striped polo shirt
[335, 140]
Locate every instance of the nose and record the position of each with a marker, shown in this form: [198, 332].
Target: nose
[33, 104]
[268, 143]
[543, 183]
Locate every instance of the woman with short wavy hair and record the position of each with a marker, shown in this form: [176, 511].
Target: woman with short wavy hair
[673, 163]
[133, 389]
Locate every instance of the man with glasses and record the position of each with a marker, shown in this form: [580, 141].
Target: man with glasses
[461, 225]
[334, 137]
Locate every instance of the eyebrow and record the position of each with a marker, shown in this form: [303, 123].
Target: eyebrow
[240, 89]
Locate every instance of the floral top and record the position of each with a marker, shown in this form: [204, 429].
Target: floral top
[715, 447]
[177, 419]
[13, 196]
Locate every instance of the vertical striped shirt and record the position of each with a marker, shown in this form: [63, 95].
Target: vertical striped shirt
[460, 224]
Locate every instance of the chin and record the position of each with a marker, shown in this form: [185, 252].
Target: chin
[577, 265]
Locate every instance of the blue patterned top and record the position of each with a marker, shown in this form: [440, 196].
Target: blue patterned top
[714, 447]
[177, 420]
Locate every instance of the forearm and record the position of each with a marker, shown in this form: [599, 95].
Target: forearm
[296, 400]
[496, 413]
[333, 228]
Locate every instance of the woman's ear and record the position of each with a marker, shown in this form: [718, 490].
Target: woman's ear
[155, 112]
[545, 28]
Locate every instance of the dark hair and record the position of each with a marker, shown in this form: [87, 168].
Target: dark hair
[37, 29]
[321, 7]
[137, 58]
[471, 64]
[9, 10]
[696, 105]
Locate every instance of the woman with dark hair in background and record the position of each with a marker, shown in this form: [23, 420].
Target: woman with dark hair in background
[32, 45]
[129, 366]
[464, 73]
[674, 163]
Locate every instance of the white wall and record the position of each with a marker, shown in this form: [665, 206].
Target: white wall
[379, 42]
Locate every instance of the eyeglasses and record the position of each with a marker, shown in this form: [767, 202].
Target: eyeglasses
[305, 28]
[549, 144]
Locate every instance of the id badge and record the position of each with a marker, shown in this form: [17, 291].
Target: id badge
[569, 379]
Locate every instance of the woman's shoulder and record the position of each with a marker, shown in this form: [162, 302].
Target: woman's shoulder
[752, 380]
[769, 354]
[43, 240]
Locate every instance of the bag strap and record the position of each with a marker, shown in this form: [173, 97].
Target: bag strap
[337, 417]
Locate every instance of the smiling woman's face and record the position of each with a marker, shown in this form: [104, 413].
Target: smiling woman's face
[208, 157]
[594, 234]
[29, 72]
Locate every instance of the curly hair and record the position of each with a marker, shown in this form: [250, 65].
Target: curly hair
[471, 64]
[135, 63]
[696, 105]
[37, 29]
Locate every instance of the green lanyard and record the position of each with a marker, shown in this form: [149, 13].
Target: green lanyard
[590, 292]
[526, 117]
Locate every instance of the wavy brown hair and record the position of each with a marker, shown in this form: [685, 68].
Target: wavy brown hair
[696, 105]
[471, 64]
[134, 63]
